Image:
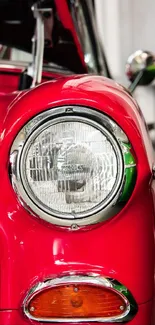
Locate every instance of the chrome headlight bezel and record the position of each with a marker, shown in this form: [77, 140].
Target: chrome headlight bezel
[23, 141]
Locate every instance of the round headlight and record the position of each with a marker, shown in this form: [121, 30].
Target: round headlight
[68, 168]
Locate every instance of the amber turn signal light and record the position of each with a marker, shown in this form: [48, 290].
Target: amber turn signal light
[76, 301]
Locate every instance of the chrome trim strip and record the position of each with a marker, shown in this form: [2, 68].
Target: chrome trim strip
[129, 166]
[105, 124]
[153, 171]
[38, 44]
[128, 314]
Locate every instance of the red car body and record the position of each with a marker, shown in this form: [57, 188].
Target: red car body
[32, 250]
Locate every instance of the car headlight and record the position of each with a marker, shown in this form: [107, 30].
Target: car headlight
[68, 166]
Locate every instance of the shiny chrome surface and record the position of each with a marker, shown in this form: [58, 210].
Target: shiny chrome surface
[38, 43]
[141, 62]
[131, 306]
[99, 213]
[153, 171]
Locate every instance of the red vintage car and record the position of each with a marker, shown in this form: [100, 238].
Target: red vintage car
[76, 176]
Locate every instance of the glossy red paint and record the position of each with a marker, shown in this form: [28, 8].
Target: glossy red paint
[10, 78]
[121, 248]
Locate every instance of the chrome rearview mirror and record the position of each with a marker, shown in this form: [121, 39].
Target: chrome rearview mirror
[140, 68]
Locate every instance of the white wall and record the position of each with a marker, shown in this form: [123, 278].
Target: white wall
[18, 55]
[125, 26]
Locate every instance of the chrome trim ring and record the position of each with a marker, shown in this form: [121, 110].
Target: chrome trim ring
[127, 315]
[20, 146]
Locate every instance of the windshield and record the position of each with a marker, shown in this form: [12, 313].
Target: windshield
[18, 27]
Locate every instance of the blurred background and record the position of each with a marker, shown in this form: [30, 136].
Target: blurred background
[125, 26]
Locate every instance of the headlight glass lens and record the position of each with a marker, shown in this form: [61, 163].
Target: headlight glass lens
[70, 167]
